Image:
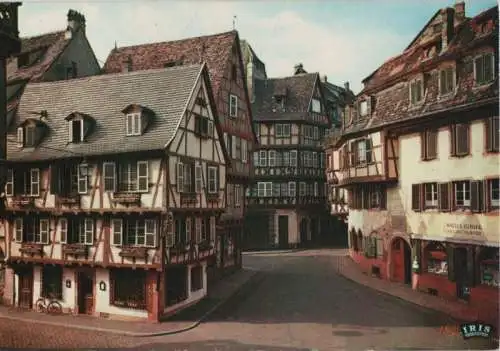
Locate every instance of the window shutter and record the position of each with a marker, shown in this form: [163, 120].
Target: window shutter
[54, 178]
[486, 195]
[495, 131]
[63, 227]
[89, 231]
[20, 136]
[416, 197]
[117, 230]
[188, 230]
[233, 146]
[444, 193]
[423, 142]
[453, 140]
[169, 231]
[44, 231]
[352, 155]
[450, 253]
[431, 143]
[212, 228]
[35, 181]
[82, 180]
[476, 195]
[244, 151]
[368, 145]
[462, 139]
[70, 131]
[180, 177]
[142, 176]
[18, 229]
[198, 229]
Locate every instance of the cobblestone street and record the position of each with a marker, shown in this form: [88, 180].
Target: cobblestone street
[298, 303]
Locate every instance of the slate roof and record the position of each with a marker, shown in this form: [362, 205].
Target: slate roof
[388, 86]
[164, 91]
[214, 50]
[298, 90]
[53, 45]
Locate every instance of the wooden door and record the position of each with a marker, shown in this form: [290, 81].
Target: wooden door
[397, 261]
[461, 273]
[85, 293]
[26, 289]
[283, 230]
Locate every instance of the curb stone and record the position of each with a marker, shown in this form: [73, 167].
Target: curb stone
[245, 284]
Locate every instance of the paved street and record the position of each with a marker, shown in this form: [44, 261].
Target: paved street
[297, 303]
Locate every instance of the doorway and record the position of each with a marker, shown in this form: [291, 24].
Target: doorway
[303, 232]
[314, 231]
[85, 293]
[461, 274]
[26, 288]
[401, 261]
[283, 231]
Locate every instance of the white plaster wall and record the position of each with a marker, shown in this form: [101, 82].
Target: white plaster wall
[293, 226]
[445, 168]
[102, 299]
[68, 294]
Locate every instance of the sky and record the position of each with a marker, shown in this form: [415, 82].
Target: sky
[344, 40]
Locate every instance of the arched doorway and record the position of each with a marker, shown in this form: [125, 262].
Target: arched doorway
[401, 261]
[303, 231]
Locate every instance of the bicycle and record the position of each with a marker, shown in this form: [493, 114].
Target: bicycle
[48, 305]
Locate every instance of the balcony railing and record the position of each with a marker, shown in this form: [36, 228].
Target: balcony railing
[289, 171]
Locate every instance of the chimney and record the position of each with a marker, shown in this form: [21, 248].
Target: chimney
[346, 86]
[325, 79]
[459, 12]
[76, 22]
[447, 19]
[298, 69]
[127, 64]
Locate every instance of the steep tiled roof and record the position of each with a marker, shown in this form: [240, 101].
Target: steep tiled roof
[298, 90]
[165, 92]
[53, 44]
[388, 89]
[215, 50]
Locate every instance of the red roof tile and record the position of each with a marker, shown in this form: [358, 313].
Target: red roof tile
[215, 50]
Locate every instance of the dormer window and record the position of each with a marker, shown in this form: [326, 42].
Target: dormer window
[79, 126]
[76, 131]
[484, 66]
[416, 91]
[133, 124]
[280, 100]
[316, 105]
[30, 132]
[363, 108]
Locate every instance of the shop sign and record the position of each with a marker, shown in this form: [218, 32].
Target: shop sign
[465, 229]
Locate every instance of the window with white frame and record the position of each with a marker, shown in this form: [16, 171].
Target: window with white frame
[292, 189]
[183, 230]
[31, 230]
[265, 189]
[198, 180]
[284, 189]
[494, 194]
[237, 195]
[76, 132]
[316, 189]
[25, 182]
[276, 189]
[134, 232]
[63, 230]
[361, 151]
[212, 172]
[133, 124]
[244, 150]
[184, 178]
[315, 133]
[109, 176]
[77, 230]
[484, 68]
[282, 130]
[315, 159]
[363, 108]
[256, 162]
[431, 195]
[316, 105]
[416, 91]
[263, 158]
[446, 81]
[293, 158]
[134, 177]
[9, 184]
[302, 189]
[233, 105]
[461, 194]
[272, 158]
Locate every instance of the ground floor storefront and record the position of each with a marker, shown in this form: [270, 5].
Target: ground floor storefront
[115, 293]
[453, 271]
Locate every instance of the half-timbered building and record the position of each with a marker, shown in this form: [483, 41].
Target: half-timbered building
[419, 158]
[287, 201]
[222, 54]
[114, 191]
[64, 54]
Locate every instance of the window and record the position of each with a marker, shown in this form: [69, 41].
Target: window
[198, 181]
[429, 139]
[436, 259]
[302, 189]
[493, 192]
[282, 130]
[212, 180]
[292, 186]
[316, 105]
[27, 182]
[492, 134]
[77, 231]
[244, 151]
[183, 229]
[237, 195]
[133, 124]
[109, 176]
[462, 194]
[416, 91]
[233, 105]
[86, 232]
[265, 189]
[315, 159]
[446, 81]
[29, 136]
[256, 161]
[431, 195]
[316, 189]
[76, 132]
[128, 288]
[272, 158]
[263, 158]
[69, 179]
[31, 230]
[374, 199]
[361, 152]
[131, 232]
[52, 277]
[237, 146]
[134, 177]
[9, 183]
[459, 139]
[484, 69]
[205, 229]
[196, 278]
[203, 126]
[276, 189]
[284, 189]
[63, 225]
[228, 141]
[363, 108]
[293, 158]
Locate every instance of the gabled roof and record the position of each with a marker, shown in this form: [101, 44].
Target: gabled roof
[50, 45]
[215, 50]
[298, 89]
[103, 98]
